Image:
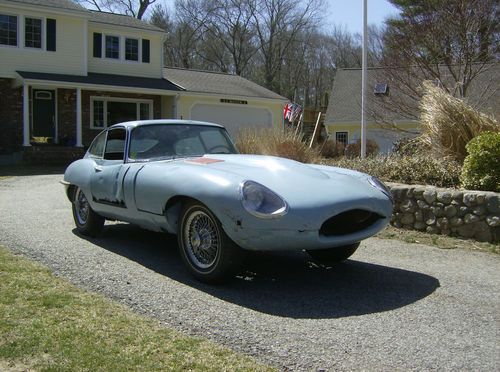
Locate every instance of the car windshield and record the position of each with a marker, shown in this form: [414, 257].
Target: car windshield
[164, 141]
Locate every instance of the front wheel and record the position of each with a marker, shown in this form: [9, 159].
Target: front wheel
[205, 248]
[333, 255]
[87, 221]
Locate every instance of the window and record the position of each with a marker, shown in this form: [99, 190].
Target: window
[341, 137]
[97, 147]
[8, 30]
[33, 33]
[144, 111]
[132, 49]
[112, 47]
[107, 111]
[98, 117]
[115, 144]
[381, 88]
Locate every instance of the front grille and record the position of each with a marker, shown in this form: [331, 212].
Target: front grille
[349, 222]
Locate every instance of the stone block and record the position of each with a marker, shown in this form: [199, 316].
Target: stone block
[493, 221]
[450, 211]
[444, 197]
[492, 203]
[479, 210]
[407, 206]
[420, 226]
[470, 218]
[419, 216]
[429, 196]
[456, 221]
[432, 230]
[407, 219]
[470, 199]
[422, 205]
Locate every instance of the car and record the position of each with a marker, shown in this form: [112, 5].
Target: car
[187, 178]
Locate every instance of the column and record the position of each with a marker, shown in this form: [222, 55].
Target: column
[79, 117]
[26, 116]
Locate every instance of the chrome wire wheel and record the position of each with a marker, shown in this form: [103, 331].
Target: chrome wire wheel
[82, 207]
[202, 239]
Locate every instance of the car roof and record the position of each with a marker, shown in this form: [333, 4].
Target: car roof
[137, 123]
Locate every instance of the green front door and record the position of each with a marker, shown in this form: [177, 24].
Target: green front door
[44, 113]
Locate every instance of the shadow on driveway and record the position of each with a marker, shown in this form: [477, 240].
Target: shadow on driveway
[286, 285]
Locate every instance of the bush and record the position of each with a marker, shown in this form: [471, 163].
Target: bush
[354, 149]
[481, 169]
[283, 143]
[448, 123]
[331, 149]
[416, 169]
[408, 146]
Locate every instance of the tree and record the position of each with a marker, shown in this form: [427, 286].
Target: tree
[450, 41]
[134, 8]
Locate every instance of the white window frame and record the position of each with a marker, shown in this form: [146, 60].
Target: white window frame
[343, 132]
[18, 36]
[120, 43]
[42, 33]
[106, 99]
[139, 49]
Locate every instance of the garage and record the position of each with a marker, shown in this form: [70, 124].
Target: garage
[233, 117]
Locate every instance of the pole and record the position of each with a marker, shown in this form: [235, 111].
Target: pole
[363, 81]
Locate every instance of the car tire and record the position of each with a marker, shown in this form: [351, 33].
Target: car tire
[87, 221]
[333, 255]
[209, 254]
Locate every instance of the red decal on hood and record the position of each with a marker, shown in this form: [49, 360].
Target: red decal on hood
[203, 161]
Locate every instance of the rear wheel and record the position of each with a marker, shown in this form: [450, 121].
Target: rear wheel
[333, 255]
[205, 248]
[86, 220]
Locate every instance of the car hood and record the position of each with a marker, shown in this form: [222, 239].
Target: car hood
[290, 179]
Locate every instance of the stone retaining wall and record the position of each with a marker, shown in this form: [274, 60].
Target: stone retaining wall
[461, 213]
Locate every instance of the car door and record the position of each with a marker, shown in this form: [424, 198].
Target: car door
[107, 178]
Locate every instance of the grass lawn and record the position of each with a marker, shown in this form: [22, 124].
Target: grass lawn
[441, 241]
[48, 324]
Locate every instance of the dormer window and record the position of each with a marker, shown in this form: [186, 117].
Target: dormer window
[8, 30]
[381, 88]
[33, 33]
[131, 49]
[112, 47]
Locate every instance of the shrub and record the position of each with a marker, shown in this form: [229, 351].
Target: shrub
[481, 169]
[354, 149]
[416, 169]
[283, 143]
[408, 146]
[448, 123]
[331, 149]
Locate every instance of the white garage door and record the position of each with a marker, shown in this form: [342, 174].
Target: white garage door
[234, 118]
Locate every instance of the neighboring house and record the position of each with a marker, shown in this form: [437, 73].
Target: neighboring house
[67, 72]
[392, 113]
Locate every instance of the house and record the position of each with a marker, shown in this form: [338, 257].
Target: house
[392, 106]
[67, 72]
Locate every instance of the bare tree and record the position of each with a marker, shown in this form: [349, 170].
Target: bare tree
[134, 8]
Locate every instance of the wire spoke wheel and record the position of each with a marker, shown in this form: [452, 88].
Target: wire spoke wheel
[202, 239]
[82, 207]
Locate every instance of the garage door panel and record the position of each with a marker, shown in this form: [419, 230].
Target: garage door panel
[234, 118]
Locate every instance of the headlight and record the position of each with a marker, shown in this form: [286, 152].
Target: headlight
[261, 202]
[375, 182]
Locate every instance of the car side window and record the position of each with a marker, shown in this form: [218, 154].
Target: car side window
[97, 147]
[115, 144]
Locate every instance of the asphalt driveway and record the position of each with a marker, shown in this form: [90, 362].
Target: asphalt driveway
[392, 306]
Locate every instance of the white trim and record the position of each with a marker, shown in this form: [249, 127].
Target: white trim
[224, 95]
[26, 116]
[139, 50]
[79, 117]
[104, 47]
[43, 32]
[18, 22]
[342, 131]
[107, 99]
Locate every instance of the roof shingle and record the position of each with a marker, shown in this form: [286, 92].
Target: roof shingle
[217, 83]
[61, 4]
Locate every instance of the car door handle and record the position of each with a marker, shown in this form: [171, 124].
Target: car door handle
[97, 168]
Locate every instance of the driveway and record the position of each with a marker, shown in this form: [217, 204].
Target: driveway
[392, 306]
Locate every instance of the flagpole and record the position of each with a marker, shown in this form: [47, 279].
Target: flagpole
[363, 81]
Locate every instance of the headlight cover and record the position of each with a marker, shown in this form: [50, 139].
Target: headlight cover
[261, 202]
[375, 182]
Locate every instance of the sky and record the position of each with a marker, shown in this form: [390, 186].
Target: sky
[349, 13]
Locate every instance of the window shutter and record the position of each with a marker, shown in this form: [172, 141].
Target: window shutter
[51, 35]
[97, 45]
[145, 50]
